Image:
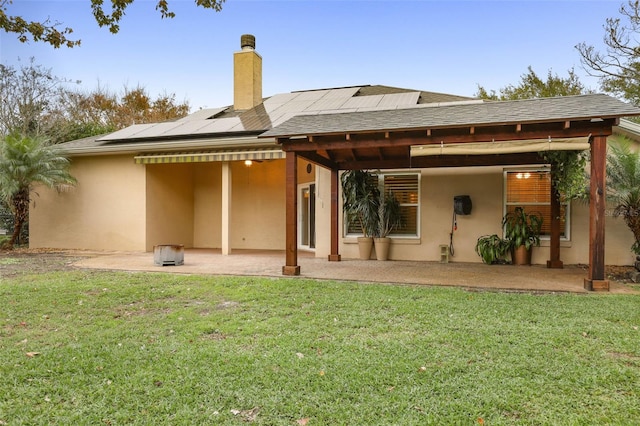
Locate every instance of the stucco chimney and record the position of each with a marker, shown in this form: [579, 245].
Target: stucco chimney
[247, 75]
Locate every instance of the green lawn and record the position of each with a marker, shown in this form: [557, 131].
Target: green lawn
[98, 348]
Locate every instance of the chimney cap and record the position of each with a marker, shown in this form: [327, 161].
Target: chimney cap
[247, 41]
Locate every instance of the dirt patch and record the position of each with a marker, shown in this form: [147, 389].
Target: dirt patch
[621, 274]
[25, 261]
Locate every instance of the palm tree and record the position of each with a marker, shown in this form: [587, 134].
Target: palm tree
[24, 163]
[623, 186]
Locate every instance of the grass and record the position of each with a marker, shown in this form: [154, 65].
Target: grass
[93, 348]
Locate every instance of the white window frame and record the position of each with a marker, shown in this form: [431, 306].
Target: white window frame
[380, 176]
[567, 204]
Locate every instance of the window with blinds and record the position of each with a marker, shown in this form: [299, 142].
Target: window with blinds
[531, 190]
[406, 188]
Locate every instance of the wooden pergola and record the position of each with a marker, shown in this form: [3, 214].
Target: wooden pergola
[384, 140]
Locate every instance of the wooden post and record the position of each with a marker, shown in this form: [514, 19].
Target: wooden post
[335, 212]
[554, 261]
[596, 280]
[291, 187]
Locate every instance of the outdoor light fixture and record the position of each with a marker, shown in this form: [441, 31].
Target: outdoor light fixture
[248, 163]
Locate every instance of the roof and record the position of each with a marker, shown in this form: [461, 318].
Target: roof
[431, 116]
[279, 108]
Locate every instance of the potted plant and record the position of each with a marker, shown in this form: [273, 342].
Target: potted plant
[492, 249]
[361, 199]
[389, 218]
[522, 231]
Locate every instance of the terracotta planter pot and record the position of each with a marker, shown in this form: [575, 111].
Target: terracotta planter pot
[365, 244]
[382, 248]
[521, 256]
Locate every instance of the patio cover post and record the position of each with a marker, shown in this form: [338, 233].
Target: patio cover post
[291, 266]
[597, 199]
[226, 208]
[554, 261]
[335, 211]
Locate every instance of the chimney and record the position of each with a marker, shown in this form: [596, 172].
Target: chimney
[247, 75]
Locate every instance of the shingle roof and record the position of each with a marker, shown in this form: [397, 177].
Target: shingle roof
[457, 115]
[279, 108]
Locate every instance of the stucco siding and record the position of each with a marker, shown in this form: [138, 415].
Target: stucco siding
[105, 211]
[485, 187]
[207, 196]
[169, 204]
[258, 206]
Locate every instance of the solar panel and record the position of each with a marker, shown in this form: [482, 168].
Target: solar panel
[395, 99]
[363, 101]
[219, 125]
[127, 132]
[203, 114]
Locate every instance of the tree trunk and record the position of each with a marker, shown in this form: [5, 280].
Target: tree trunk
[20, 204]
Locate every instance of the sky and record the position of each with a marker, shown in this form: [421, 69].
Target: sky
[444, 46]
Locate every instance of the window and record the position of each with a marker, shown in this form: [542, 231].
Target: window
[406, 188]
[531, 190]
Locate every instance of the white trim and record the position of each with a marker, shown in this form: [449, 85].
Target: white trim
[567, 229]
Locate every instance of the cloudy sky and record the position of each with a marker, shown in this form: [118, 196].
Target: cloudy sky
[442, 46]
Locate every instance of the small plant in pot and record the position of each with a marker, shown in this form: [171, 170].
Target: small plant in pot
[522, 231]
[389, 219]
[492, 249]
[361, 200]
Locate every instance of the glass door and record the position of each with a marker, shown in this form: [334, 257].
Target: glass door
[307, 215]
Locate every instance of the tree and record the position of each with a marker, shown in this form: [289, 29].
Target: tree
[79, 114]
[569, 177]
[623, 186]
[52, 33]
[37, 103]
[28, 95]
[532, 86]
[24, 163]
[618, 67]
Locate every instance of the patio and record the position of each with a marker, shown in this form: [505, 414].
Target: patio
[535, 278]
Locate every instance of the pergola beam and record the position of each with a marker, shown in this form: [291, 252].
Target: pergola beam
[391, 149]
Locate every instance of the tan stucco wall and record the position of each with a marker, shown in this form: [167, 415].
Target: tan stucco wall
[207, 196]
[105, 211]
[485, 187]
[258, 213]
[170, 204]
[120, 205]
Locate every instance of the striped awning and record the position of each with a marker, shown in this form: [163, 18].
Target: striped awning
[210, 156]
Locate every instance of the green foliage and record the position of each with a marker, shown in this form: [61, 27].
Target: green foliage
[361, 199]
[569, 174]
[389, 215]
[492, 249]
[623, 185]
[53, 34]
[38, 103]
[532, 86]
[522, 228]
[92, 348]
[24, 163]
[618, 66]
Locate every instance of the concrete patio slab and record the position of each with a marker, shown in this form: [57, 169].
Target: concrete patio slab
[535, 278]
